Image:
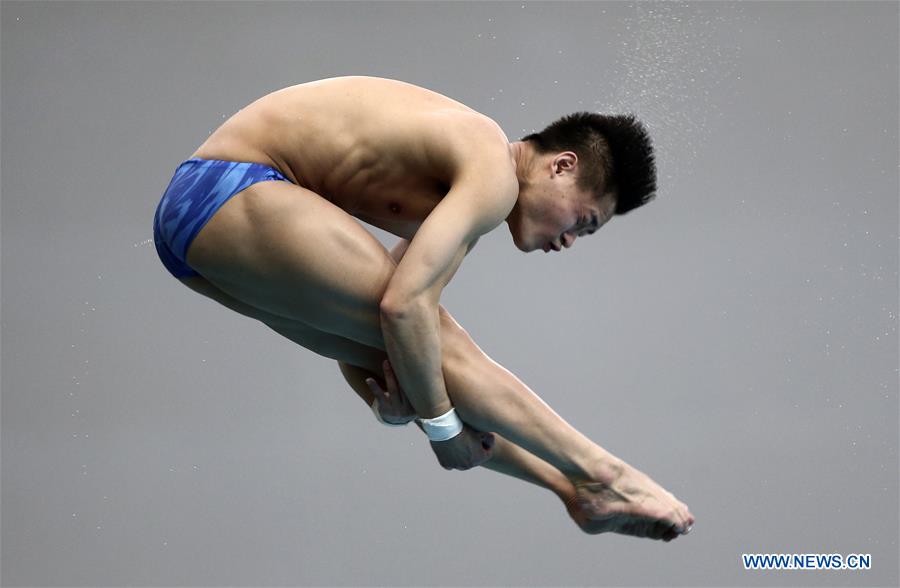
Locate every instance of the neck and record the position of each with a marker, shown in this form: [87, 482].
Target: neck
[523, 154]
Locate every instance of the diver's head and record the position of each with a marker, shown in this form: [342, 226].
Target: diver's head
[576, 174]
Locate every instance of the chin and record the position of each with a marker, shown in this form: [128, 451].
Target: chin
[521, 245]
[526, 248]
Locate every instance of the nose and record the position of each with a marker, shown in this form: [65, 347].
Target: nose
[567, 239]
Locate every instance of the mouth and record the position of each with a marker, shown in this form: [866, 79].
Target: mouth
[549, 245]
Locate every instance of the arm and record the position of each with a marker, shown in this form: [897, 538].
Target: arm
[476, 203]
[479, 199]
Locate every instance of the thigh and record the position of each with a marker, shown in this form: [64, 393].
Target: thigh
[325, 344]
[287, 251]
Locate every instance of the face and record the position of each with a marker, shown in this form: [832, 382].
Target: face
[552, 212]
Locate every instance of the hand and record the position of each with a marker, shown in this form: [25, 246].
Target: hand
[391, 406]
[468, 449]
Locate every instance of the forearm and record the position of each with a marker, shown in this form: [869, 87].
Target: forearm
[412, 341]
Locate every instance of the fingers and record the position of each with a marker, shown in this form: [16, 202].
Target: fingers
[374, 387]
[467, 450]
[389, 376]
[377, 390]
[484, 452]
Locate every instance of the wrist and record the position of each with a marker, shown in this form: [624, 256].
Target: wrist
[436, 410]
[443, 427]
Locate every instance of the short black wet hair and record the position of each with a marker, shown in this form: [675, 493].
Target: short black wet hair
[615, 154]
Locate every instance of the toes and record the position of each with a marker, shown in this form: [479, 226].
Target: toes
[686, 513]
[634, 528]
[680, 518]
[661, 530]
[688, 520]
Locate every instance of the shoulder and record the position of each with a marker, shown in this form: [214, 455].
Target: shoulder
[457, 140]
[479, 165]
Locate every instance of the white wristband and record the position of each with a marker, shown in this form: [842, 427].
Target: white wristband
[446, 426]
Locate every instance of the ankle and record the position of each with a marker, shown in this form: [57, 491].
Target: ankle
[605, 469]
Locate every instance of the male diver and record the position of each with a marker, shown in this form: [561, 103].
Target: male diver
[260, 219]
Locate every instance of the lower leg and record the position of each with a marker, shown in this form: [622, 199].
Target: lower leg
[510, 459]
[600, 492]
[486, 395]
[506, 457]
[489, 397]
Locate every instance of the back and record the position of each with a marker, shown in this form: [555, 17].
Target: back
[373, 146]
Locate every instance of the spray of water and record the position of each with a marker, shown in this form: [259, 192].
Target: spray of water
[669, 70]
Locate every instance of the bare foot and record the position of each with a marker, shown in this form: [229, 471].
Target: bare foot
[625, 500]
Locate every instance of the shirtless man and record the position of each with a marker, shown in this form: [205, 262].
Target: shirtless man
[438, 175]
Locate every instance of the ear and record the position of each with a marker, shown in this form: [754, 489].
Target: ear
[565, 161]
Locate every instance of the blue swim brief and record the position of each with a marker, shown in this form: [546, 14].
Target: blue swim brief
[198, 189]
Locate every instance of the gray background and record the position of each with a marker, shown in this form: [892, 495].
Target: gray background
[736, 339]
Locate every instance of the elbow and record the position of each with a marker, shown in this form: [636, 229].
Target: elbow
[395, 308]
[391, 307]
